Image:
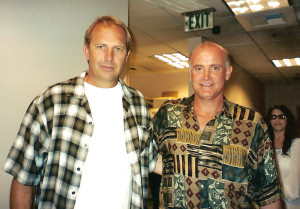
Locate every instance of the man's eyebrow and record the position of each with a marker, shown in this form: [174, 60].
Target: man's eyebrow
[120, 45]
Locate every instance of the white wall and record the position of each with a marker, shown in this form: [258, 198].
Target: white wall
[40, 44]
[242, 88]
[153, 84]
[283, 94]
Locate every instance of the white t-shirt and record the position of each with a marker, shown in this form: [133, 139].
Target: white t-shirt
[106, 176]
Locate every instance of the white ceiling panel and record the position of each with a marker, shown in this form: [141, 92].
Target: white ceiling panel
[158, 27]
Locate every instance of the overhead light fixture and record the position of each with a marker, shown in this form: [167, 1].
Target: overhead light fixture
[248, 6]
[176, 60]
[287, 62]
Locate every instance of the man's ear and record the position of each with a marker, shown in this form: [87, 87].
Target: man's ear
[190, 74]
[127, 55]
[228, 72]
[86, 52]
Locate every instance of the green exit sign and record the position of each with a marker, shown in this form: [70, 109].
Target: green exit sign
[199, 20]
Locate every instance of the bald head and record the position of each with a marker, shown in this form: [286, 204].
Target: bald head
[222, 51]
[209, 70]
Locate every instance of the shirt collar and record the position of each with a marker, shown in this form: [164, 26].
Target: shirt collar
[79, 86]
[227, 108]
[125, 88]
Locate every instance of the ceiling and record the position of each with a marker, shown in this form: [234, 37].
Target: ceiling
[157, 27]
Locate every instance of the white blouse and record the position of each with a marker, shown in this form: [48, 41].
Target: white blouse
[289, 170]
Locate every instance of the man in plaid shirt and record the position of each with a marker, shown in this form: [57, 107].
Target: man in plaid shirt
[86, 142]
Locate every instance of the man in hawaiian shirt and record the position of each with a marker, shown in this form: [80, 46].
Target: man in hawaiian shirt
[216, 154]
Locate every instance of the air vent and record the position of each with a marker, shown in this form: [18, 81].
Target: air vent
[267, 19]
[180, 6]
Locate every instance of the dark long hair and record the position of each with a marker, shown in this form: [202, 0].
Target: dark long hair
[290, 131]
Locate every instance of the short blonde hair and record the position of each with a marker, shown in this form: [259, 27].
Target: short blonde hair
[107, 20]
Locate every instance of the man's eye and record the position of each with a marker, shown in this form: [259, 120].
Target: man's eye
[100, 47]
[119, 49]
[198, 68]
[215, 68]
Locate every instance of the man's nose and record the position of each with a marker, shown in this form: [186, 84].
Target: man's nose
[109, 54]
[206, 73]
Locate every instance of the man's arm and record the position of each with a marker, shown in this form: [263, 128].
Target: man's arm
[158, 165]
[21, 196]
[274, 205]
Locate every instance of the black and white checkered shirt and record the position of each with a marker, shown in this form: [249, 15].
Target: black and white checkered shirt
[53, 142]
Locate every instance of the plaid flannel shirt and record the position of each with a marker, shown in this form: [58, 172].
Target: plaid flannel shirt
[54, 137]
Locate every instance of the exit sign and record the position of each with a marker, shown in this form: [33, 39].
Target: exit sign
[199, 20]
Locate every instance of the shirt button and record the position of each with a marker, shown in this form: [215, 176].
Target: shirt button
[78, 169]
[73, 192]
[85, 145]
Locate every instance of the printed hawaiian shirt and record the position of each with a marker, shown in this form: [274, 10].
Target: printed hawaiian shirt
[228, 165]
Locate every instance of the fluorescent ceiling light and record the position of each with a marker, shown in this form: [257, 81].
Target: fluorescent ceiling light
[247, 6]
[273, 4]
[277, 63]
[256, 7]
[176, 60]
[287, 62]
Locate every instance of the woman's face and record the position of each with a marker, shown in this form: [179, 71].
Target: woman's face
[278, 120]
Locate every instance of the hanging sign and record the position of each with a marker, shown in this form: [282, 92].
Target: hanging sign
[198, 20]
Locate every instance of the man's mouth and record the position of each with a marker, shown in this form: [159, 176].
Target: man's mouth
[206, 84]
[108, 67]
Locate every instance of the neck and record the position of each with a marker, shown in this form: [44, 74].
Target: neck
[100, 84]
[206, 110]
[208, 107]
[278, 139]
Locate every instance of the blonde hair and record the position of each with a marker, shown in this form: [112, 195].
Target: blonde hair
[107, 20]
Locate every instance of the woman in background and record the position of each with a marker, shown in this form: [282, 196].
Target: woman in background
[287, 153]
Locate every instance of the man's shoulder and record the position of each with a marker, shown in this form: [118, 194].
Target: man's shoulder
[67, 83]
[71, 86]
[185, 101]
[132, 91]
[135, 98]
[240, 112]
